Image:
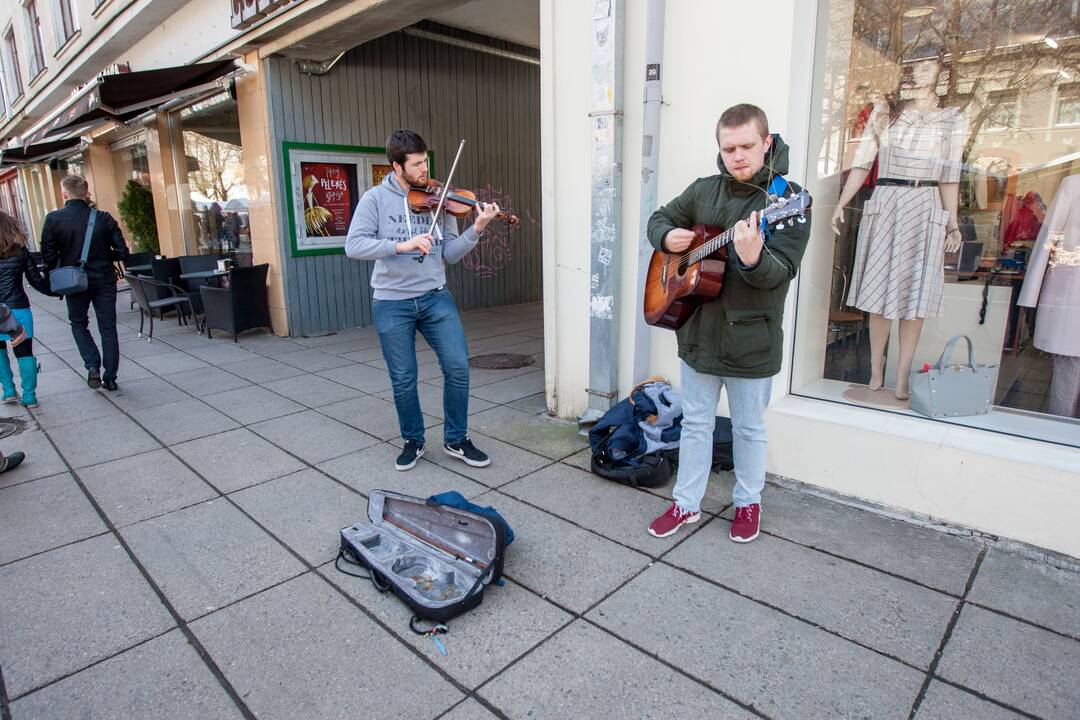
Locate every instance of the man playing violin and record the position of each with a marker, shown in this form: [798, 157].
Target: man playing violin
[409, 283]
[735, 340]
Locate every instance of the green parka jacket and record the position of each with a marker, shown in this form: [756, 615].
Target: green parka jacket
[739, 333]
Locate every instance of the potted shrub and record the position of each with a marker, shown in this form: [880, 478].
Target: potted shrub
[137, 212]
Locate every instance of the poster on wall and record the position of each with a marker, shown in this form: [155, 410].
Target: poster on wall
[323, 184]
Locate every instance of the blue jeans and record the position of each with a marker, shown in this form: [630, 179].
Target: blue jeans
[435, 315]
[747, 399]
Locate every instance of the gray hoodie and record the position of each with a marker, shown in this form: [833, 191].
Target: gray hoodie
[382, 219]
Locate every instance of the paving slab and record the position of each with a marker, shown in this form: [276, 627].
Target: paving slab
[162, 678]
[1029, 589]
[261, 370]
[470, 709]
[306, 510]
[221, 353]
[134, 347]
[944, 702]
[557, 560]
[301, 650]
[141, 486]
[209, 555]
[313, 437]
[617, 512]
[1014, 663]
[614, 686]
[58, 380]
[534, 404]
[479, 377]
[178, 422]
[311, 360]
[929, 556]
[717, 496]
[174, 362]
[794, 670]
[312, 390]
[507, 624]
[545, 436]
[373, 469]
[107, 438]
[424, 371]
[898, 618]
[44, 514]
[146, 392]
[507, 391]
[236, 459]
[42, 460]
[71, 407]
[507, 462]
[371, 414]
[359, 376]
[207, 381]
[252, 404]
[431, 400]
[71, 607]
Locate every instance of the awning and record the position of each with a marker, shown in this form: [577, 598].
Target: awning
[36, 152]
[124, 96]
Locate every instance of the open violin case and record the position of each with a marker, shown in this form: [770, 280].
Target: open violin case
[435, 557]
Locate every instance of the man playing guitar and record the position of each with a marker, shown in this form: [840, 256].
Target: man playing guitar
[734, 341]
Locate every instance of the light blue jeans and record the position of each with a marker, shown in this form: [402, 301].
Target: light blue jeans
[747, 400]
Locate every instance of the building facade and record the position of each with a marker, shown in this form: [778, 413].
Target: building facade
[584, 117]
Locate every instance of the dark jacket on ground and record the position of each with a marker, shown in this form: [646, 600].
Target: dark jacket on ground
[739, 333]
[62, 238]
[12, 270]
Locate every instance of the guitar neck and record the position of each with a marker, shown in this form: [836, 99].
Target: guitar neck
[708, 248]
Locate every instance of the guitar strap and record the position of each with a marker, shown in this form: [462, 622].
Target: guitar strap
[777, 188]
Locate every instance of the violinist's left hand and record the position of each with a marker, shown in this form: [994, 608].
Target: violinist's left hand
[485, 213]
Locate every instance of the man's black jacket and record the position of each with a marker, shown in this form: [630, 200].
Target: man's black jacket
[62, 238]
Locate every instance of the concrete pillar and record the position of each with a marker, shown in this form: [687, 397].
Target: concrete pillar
[101, 178]
[159, 156]
[253, 109]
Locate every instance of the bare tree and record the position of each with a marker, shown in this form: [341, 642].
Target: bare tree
[218, 165]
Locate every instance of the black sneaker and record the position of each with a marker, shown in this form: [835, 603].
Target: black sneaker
[93, 379]
[466, 451]
[12, 461]
[409, 455]
[110, 385]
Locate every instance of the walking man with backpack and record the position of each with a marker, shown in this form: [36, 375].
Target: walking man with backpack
[735, 340]
[68, 239]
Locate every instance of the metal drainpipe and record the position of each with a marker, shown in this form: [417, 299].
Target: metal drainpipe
[650, 164]
[606, 188]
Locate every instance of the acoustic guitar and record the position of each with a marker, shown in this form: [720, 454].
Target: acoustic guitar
[677, 284]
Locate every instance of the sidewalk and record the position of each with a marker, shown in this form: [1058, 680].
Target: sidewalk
[167, 552]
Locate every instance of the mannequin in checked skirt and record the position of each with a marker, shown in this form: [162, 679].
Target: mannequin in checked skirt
[907, 227]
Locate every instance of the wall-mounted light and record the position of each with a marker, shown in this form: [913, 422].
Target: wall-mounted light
[919, 11]
[1051, 42]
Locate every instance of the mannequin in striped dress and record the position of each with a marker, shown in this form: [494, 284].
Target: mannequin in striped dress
[909, 223]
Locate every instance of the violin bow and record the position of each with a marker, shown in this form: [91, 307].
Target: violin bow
[445, 190]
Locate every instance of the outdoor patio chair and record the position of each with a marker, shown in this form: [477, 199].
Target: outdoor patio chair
[174, 299]
[196, 263]
[242, 305]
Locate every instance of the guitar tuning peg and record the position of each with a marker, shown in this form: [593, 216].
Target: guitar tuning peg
[801, 220]
[780, 226]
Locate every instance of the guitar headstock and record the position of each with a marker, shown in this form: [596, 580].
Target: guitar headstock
[792, 206]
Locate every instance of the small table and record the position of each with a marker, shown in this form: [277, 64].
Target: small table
[137, 269]
[212, 277]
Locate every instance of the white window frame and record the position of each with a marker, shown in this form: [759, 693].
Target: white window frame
[37, 64]
[12, 71]
[1056, 122]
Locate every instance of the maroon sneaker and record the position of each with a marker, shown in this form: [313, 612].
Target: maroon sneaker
[747, 523]
[672, 520]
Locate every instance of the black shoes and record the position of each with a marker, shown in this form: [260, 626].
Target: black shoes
[109, 385]
[467, 452]
[409, 455]
[12, 461]
[93, 379]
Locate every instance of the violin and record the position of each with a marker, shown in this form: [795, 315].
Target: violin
[459, 202]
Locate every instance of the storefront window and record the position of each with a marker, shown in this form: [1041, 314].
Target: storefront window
[945, 160]
[130, 163]
[216, 212]
[71, 165]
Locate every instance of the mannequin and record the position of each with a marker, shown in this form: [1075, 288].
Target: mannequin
[910, 220]
[1052, 284]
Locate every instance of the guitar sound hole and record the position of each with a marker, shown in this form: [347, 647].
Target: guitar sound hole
[683, 267]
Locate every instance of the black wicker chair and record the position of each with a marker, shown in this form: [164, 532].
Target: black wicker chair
[241, 306]
[174, 299]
